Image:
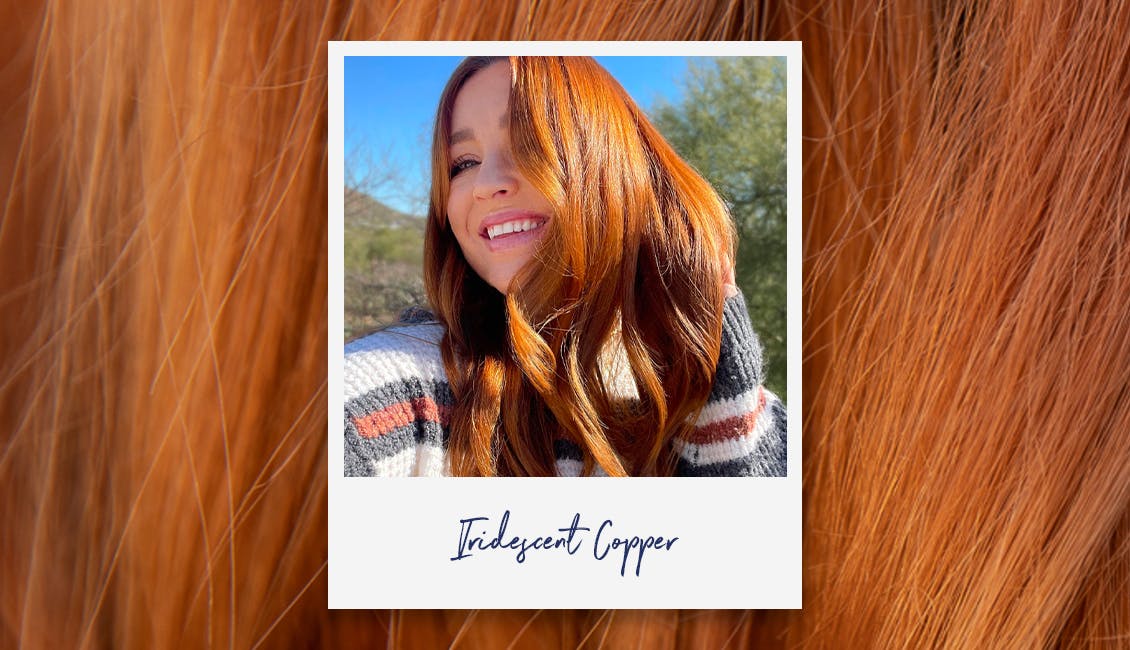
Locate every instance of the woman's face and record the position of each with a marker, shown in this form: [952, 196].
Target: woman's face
[496, 215]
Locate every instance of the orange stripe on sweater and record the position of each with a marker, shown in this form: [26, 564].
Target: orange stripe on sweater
[730, 428]
[397, 415]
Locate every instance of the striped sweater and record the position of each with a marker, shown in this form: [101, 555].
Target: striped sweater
[398, 404]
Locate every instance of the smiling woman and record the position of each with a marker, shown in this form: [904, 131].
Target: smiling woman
[583, 315]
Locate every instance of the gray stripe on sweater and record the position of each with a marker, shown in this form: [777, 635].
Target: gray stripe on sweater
[398, 391]
[739, 360]
[360, 452]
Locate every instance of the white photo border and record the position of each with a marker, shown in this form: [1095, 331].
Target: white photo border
[392, 540]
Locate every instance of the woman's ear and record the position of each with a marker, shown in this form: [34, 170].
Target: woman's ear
[729, 283]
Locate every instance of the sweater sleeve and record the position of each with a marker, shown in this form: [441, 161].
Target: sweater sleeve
[397, 403]
[742, 429]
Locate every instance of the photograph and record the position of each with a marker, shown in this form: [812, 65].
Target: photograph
[553, 266]
[565, 266]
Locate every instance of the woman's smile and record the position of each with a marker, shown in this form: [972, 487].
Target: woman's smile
[508, 229]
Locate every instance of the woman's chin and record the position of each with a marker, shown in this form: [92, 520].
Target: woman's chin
[502, 278]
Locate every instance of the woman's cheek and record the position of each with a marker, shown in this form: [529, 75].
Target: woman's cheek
[457, 208]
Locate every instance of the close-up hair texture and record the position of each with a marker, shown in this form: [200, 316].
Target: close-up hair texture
[966, 215]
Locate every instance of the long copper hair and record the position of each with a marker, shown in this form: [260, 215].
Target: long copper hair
[966, 346]
[635, 257]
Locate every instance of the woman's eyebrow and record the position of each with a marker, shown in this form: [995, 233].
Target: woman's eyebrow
[467, 134]
[461, 135]
[464, 135]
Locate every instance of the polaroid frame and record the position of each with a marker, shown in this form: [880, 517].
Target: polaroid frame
[656, 543]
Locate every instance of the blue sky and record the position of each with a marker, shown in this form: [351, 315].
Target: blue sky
[390, 103]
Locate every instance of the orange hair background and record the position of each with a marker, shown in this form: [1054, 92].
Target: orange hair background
[967, 341]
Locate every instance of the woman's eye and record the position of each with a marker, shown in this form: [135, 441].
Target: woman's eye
[462, 164]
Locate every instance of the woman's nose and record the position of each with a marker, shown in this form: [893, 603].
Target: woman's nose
[496, 175]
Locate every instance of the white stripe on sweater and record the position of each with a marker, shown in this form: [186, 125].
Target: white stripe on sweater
[417, 460]
[729, 408]
[395, 354]
[572, 468]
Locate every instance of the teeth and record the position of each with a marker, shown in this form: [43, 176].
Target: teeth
[511, 227]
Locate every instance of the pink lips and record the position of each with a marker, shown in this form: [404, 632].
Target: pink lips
[514, 239]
